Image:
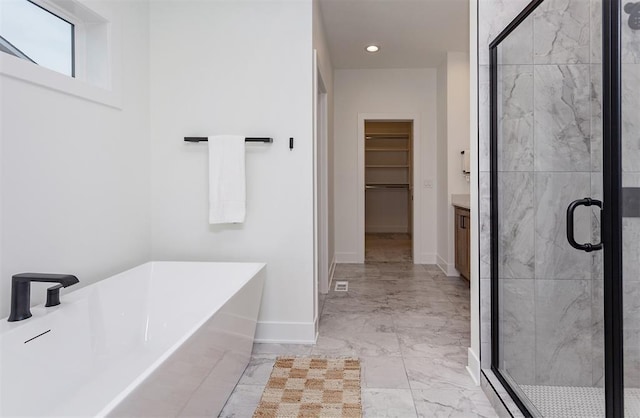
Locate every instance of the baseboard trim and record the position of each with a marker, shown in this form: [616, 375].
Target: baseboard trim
[348, 258]
[447, 268]
[332, 270]
[473, 366]
[442, 264]
[285, 332]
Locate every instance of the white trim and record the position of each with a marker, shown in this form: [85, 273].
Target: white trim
[97, 42]
[473, 366]
[316, 238]
[348, 258]
[332, 270]
[447, 268]
[418, 257]
[360, 219]
[20, 69]
[322, 149]
[285, 332]
[474, 198]
[442, 264]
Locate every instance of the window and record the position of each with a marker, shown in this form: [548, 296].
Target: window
[31, 32]
[76, 48]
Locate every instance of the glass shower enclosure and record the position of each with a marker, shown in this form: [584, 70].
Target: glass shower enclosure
[565, 208]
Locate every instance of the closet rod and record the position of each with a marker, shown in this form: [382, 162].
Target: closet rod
[386, 136]
[205, 139]
[386, 186]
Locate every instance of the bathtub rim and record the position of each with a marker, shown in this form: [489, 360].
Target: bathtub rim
[72, 295]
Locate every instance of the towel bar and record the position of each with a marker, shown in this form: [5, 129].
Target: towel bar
[205, 139]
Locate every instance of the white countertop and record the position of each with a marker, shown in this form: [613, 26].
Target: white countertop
[461, 201]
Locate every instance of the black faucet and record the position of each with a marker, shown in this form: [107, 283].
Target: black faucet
[21, 292]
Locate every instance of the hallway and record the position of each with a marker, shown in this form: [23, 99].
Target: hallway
[395, 247]
[409, 325]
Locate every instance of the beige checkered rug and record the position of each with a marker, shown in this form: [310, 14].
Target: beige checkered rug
[312, 387]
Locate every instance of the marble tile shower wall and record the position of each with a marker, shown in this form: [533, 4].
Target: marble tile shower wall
[550, 154]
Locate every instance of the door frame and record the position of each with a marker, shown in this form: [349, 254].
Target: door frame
[611, 215]
[612, 207]
[416, 174]
[320, 190]
[322, 184]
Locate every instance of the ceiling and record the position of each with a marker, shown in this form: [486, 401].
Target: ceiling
[410, 33]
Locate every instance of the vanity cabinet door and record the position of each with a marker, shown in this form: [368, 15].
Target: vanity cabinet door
[462, 242]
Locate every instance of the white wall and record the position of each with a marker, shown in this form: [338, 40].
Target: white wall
[246, 69]
[75, 174]
[408, 91]
[453, 98]
[443, 181]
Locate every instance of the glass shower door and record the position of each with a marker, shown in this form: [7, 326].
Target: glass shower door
[547, 191]
[565, 208]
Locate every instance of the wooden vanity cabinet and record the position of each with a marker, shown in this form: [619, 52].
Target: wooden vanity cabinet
[463, 241]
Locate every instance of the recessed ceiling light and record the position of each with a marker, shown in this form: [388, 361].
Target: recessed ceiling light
[373, 48]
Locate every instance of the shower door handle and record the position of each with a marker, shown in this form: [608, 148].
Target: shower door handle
[587, 201]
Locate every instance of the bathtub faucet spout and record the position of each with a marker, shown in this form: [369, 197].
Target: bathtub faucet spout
[21, 292]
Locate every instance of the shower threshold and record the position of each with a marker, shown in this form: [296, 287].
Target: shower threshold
[577, 401]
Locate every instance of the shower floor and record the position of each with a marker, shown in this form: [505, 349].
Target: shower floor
[577, 402]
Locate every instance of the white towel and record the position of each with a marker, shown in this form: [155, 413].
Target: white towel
[227, 186]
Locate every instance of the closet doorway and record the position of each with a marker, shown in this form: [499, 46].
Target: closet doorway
[388, 147]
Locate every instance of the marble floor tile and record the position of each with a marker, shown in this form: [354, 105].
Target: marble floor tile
[258, 371]
[383, 373]
[361, 288]
[356, 345]
[411, 299]
[462, 403]
[426, 318]
[430, 373]
[394, 268]
[431, 268]
[340, 324]
[243, 402]
[408, 324]
[387, 403]
[416, 342]
[349, 305]
[356, 271]
[418, 291]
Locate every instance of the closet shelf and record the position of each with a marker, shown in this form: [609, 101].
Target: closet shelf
[387, 149]
[387, 166]
[387, 186]
[381, 135]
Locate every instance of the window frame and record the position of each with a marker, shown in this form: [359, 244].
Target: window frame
[55, 11]
[96, 49]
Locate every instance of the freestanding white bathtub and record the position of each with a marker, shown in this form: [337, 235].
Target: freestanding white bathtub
[162, 339]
